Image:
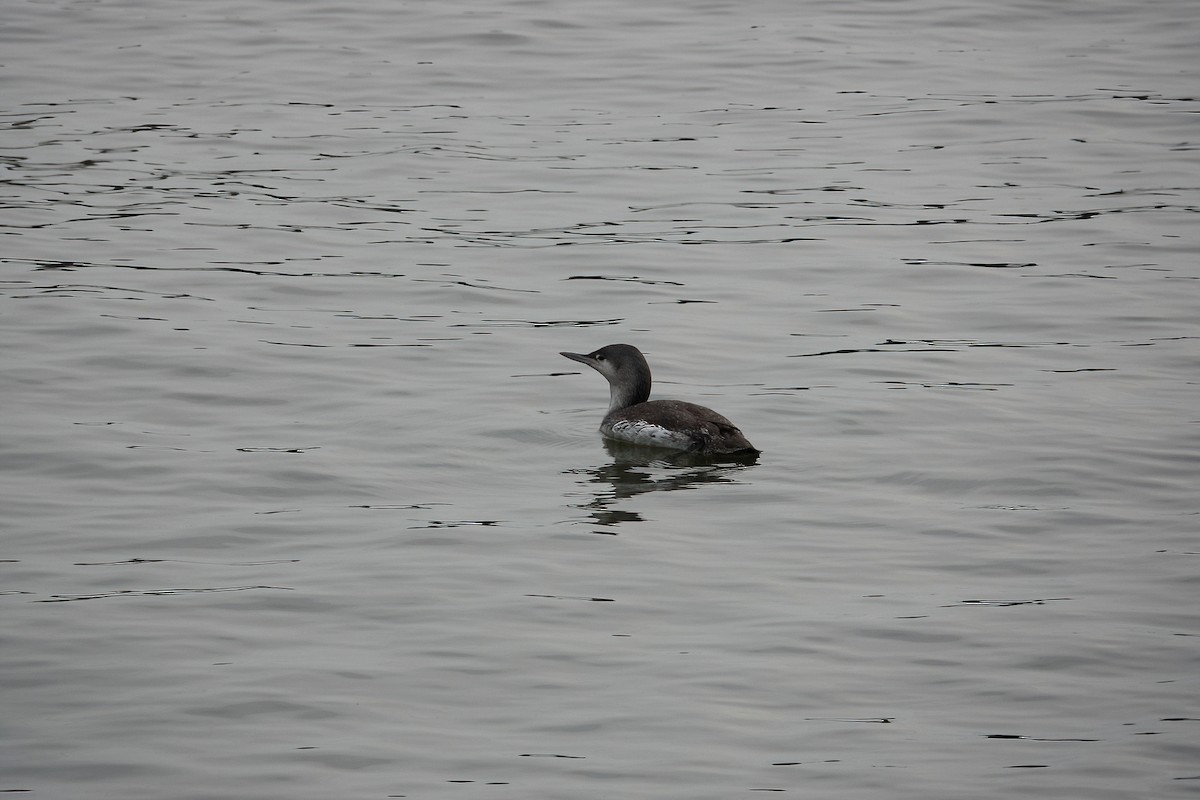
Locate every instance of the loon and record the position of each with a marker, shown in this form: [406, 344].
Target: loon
[674, 424]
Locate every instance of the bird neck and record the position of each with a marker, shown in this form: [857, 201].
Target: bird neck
[624, 395]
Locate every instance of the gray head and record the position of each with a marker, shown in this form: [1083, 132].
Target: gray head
[625, 368]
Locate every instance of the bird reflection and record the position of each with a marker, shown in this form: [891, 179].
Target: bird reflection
[635, 470]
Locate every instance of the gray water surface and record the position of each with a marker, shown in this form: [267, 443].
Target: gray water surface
[299, 499]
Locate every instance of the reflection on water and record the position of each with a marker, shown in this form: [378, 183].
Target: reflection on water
[636, 470]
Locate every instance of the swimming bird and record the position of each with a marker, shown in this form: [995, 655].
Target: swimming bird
[633, 417]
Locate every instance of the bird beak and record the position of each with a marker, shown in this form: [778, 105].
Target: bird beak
[581, 358]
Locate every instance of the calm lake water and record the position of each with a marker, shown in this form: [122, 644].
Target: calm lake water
[299, 499]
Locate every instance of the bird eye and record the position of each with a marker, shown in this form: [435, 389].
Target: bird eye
[599, 358]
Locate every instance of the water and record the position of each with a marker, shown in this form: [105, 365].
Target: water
[299, 499]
